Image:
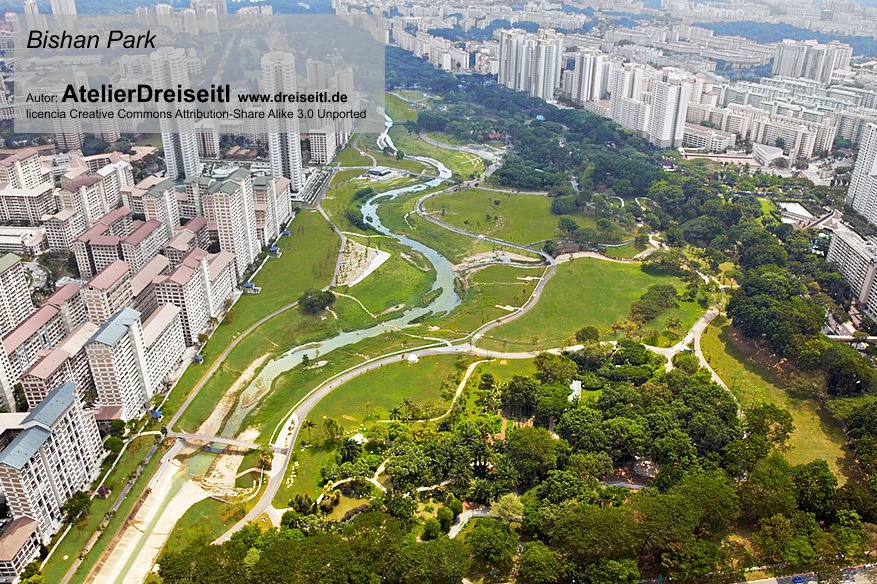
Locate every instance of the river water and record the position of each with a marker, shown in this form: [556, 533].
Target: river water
[446, 301]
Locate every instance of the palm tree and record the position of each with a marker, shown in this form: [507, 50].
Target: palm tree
[308, 425]
[395, 413]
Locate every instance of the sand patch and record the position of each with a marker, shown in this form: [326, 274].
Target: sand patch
[213, 422]
[357, 262]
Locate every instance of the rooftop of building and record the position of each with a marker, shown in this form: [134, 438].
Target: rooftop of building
[200, 180]
[158, 321]
[114, 215]
[149, 182]
[111, 331]
[218, 263]
[104, 240]
[159, 189]
[143, 231]
[180, 241]
[109, 276]
[62, 215]
[23, 447]
[14, 536]
[36, 191]
[29, 328]
[180, 276]
[195, 223]
[63, 294]
[81, 181]
[145, 275]
[194, 257]
[52, 407]
[22, 154]
[47, 365]
[8, 260]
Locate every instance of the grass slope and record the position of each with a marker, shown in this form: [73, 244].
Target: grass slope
[578, 295]
[816, 435]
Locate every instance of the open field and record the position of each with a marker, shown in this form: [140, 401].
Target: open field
[398, 216]
[349, 156]
[377, 392]
[373, 395]
[309, 257]
[816, 435]
[519, 218]
[401, 280]
[205, 521]
[292, 385]
[462, 164]
[399, 109]
[577, 296]
[624, 252]
[490, 288]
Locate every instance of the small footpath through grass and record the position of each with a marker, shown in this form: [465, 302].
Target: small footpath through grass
[741, 368]
[516, 217]
[577, 296]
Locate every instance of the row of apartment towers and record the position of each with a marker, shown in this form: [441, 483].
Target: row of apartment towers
[185, 141]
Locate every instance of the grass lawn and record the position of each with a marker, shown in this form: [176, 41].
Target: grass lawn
[310, 254]
[399, 280]
[624, 252]
[686, 312]
[816, 435]
[373, 394]
[519, 218]
[577, 296]
[463, 165]
[398, 216]
[376, 393]
[505, 369]
[490, 288]
[303, 476]
[350, 157]
[292, 385]
[204, 521]
[399, 109]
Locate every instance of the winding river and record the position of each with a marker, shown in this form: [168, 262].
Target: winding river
[444, 302]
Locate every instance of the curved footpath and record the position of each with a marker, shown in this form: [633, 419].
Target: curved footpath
[285, 435]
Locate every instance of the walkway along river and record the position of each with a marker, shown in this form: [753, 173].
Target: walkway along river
[135, 553]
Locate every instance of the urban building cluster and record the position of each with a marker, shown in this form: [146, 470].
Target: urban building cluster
[159, 263]
[658, 79]
[160, 260]
[856, 256]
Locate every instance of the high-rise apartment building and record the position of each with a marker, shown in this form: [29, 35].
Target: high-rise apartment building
[284, 146]
[56, 454]
[531, 62]
[15, 302]
[108, 292]
[230, 204]
[117, 359]
[862, 193]
[178, 136]
[810, 59]
[588, 80]
[669, 105]
[63, 7]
